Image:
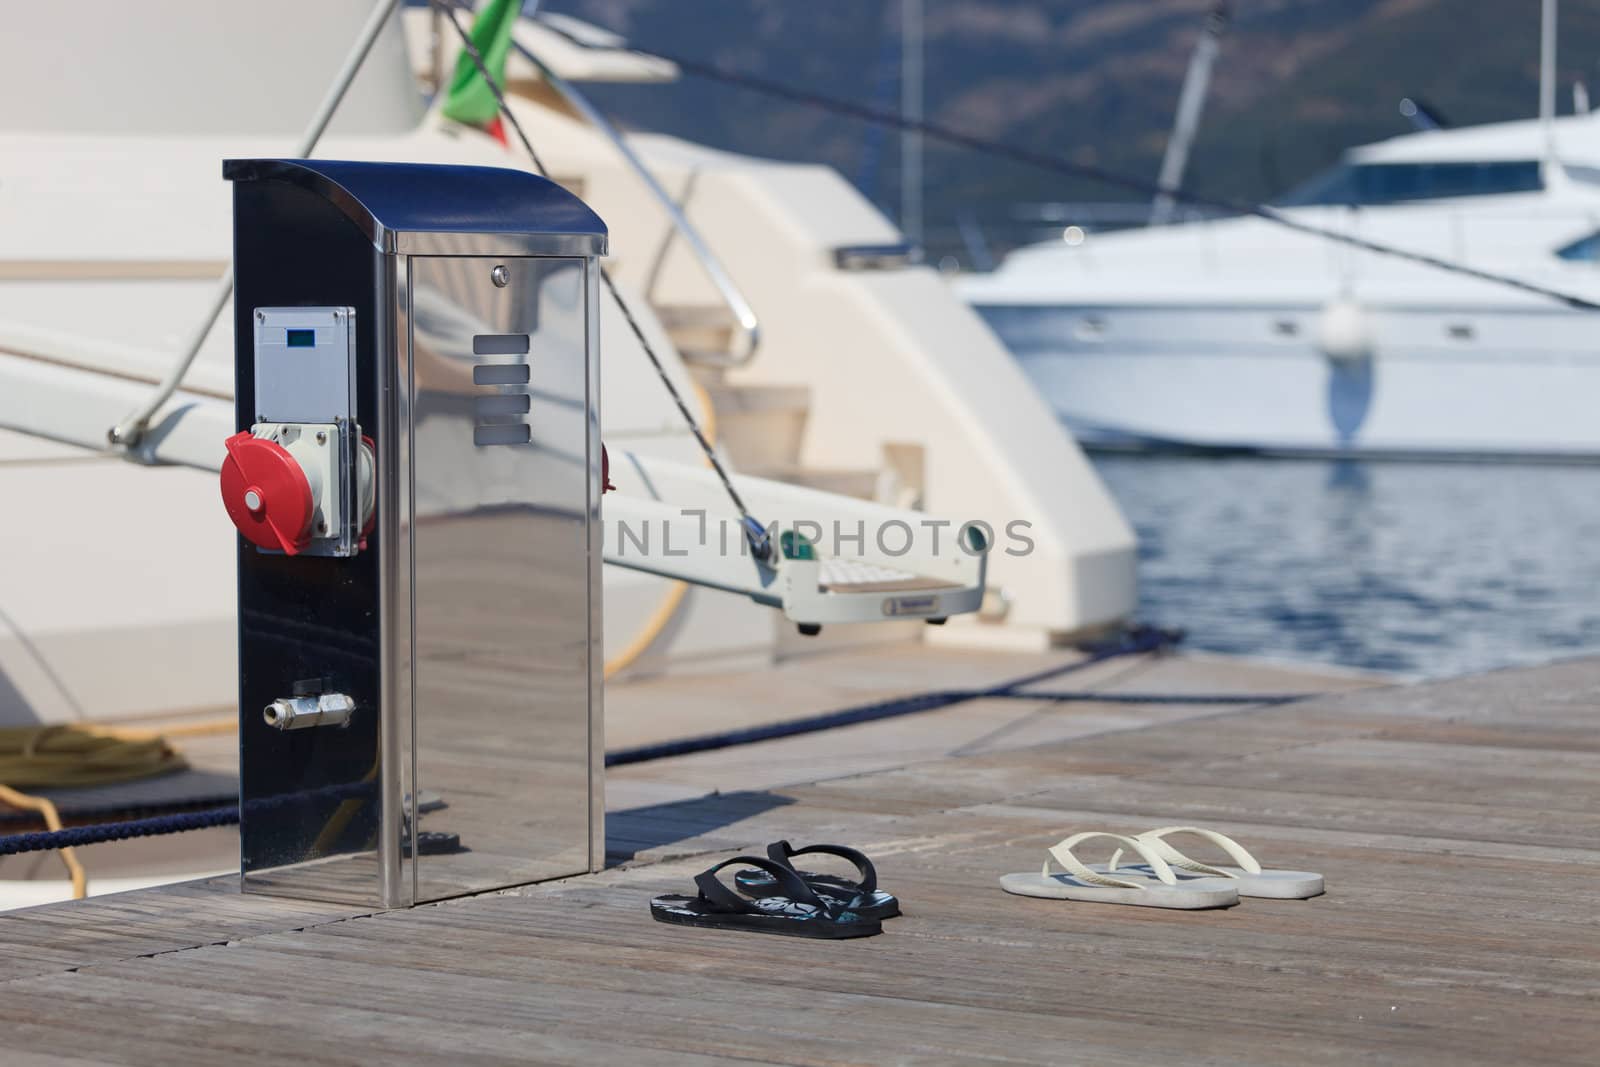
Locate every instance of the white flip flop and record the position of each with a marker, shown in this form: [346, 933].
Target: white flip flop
[1163, 889]
[1248, 876]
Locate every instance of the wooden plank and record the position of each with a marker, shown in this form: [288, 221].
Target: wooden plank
[146, 922]
[1458, 834]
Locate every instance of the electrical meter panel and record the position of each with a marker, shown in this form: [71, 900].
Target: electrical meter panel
[301, 479]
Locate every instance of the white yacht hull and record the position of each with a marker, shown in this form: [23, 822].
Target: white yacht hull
[1440, 382]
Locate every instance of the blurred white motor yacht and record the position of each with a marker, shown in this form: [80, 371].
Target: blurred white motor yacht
[1242, 334]
[873, 390]
[875, 400]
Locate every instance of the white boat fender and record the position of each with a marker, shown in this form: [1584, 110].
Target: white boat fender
[1343, 334]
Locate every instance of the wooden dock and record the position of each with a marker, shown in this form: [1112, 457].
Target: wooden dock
[1458, 825]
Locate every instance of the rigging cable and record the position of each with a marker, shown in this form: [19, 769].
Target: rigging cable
[754, 532]
[1061, 165]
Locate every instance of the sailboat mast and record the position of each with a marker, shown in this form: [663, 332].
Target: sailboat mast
[911, 109]
[1547, 79]
[1191, 99]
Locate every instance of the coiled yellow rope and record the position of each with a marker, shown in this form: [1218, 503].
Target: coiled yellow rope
[77, 755]
[657, 623]
[65, 756]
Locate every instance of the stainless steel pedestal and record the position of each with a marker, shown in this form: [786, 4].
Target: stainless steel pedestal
[464, 634]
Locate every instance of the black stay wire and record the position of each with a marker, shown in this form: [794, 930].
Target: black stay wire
[754, 532]
[1062, 165]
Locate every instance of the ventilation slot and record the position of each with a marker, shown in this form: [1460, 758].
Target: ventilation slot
[494, 407]
[500, 374]
[500, 344]
[502, 433]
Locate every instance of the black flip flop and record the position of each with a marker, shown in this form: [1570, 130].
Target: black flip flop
[862, 897]
[791, 909]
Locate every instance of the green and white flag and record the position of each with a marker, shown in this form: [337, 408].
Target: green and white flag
[470, 99]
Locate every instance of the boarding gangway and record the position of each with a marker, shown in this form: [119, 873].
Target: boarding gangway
[834, 559]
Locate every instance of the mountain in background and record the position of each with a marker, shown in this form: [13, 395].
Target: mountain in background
[1296, 82]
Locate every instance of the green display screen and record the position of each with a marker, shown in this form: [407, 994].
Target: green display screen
[302, 338]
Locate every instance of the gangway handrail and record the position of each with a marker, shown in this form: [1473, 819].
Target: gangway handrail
[716, 273]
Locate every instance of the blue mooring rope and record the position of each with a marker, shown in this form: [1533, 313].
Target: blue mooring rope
[96, 833]
[118, 831]
[1136, 641]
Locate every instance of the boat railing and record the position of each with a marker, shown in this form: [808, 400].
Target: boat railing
[1532, 233]
[749, 327]
[1467, 232]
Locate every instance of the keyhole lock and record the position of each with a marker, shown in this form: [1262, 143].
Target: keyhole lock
[500, 275]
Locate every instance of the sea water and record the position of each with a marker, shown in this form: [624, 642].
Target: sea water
[1426, 569]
